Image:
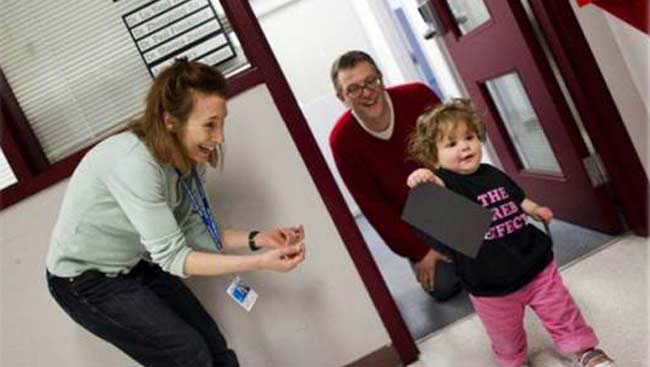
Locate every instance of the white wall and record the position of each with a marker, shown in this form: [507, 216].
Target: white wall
[306, 36]
[621, 52]
[306, 58]
[318, 315]
[434, 50]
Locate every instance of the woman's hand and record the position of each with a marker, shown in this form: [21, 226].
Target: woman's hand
[280, 237]
[422, 175]
[283, 259]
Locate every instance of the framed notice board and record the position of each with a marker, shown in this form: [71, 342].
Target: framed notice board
[164, 30]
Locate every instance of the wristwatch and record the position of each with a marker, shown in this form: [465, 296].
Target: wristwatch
[251, 240]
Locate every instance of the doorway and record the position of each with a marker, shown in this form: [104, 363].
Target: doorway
[320, 106]
[572, 241]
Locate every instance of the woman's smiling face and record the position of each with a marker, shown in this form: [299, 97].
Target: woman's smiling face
[203, 131]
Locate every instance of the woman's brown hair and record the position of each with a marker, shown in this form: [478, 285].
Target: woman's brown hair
[172, 95]
[433, 125]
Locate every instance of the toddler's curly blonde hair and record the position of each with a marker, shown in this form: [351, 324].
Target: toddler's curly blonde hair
[433, 125]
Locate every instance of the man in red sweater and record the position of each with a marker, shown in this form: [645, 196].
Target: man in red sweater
[369, 144]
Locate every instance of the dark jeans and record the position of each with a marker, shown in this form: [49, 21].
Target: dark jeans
[148, 314]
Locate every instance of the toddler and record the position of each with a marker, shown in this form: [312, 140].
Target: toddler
[514, 267]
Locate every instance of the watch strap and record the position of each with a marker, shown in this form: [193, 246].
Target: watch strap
[251, 240]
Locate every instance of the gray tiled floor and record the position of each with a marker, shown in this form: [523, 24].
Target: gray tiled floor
[421, 313]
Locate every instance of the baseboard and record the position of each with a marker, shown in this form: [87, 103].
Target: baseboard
[385, 356]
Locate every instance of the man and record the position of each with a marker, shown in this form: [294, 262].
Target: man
[369, 144]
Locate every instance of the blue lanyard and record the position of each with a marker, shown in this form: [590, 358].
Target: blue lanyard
[203, 210]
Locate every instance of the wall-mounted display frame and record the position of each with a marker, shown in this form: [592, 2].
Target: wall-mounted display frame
[165, 30]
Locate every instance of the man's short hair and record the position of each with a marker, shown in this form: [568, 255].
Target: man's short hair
[348, 61]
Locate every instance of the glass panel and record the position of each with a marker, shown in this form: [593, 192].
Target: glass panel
[469, 14]
[96, 60]
[7, 177]
[522, 123]
[239, 62]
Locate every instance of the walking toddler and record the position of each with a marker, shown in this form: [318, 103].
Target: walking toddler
[514, 267]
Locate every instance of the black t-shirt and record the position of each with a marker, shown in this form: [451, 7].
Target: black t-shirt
[513, 252]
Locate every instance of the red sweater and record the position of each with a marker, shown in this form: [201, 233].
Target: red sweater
[375, 170]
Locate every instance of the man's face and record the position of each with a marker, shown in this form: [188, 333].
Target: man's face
[362, 90]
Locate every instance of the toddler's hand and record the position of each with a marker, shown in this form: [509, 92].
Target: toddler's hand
[422, 175]
[543, 214]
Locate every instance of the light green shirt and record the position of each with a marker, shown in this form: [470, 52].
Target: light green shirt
[121, 206]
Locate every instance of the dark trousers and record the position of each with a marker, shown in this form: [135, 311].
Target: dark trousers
[149, 314]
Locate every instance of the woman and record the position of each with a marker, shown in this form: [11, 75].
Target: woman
[135, 220]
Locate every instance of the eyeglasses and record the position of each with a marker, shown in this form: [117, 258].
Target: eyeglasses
[356, 90]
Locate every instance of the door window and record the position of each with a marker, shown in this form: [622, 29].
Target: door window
[522, 123]
[469, 14]
[7, 176]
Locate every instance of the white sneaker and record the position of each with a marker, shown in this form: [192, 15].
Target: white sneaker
[594, 358]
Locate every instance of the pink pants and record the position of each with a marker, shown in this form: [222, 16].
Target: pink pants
[503, 318]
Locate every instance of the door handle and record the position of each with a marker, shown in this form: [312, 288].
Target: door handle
[430, 17]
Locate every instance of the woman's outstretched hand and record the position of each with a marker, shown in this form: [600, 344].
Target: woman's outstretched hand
[283, 259]
[422, 175]
[280, 237]
[286, 248]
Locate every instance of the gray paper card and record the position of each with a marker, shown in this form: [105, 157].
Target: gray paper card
[448, 217]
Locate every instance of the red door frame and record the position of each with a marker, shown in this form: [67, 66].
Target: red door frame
[259, 52]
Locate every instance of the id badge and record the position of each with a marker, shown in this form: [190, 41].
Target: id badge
[242, 293]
